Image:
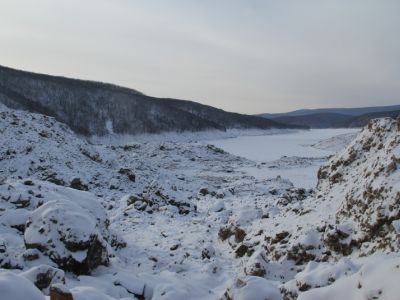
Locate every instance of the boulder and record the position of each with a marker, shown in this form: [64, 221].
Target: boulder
[43, 276]
[68, 234]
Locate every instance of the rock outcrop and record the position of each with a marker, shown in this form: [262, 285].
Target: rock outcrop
[365, 180]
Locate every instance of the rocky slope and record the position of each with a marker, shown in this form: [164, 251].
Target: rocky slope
[186, 221]
[93, 108]
[354, 212]
[365, 180]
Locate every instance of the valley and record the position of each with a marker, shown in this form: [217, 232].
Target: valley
[188, 219]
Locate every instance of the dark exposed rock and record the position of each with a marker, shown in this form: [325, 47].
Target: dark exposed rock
[174, 247]
[226, 232]
[204, 191]
[43, 276]
[280, 236]
[299, 254]
[58, 292]
[31, 254]
[240, 234]
[215, 149]
[77, 184]
[125, 171]
[241, 250]
[22, 202]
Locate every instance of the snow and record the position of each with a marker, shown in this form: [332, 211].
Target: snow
[38, 273]
[109, 127]
[396, 225]
[185, 219]
[14, 287]
[186, 136]
[294, 155]
[378, 278]
[254, 288]
[273, 146]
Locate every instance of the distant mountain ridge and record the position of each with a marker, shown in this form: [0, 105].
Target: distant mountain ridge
[335, 117]
[355, 111]
[95, 108]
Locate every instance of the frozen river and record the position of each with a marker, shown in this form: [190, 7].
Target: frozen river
[274, 148]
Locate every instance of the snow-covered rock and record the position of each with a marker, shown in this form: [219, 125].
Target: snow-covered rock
[252, 288]
[68, 226]
[376, 279]
[365, 180]
[67, 234]
[42, 276]
[14, 287]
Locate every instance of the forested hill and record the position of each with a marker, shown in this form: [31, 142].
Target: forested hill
[94, 108]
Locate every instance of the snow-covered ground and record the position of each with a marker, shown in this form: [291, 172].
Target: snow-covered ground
[295, 155]
[188, 220]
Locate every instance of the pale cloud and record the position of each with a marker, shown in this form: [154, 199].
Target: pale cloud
[248, 56]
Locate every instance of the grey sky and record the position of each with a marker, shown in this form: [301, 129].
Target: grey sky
[249, 56]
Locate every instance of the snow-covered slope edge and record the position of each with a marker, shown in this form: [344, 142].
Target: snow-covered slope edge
[363, 184]
[365, 181]
[348, 225]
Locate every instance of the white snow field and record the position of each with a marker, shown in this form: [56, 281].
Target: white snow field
[295, 155]
[188, 220]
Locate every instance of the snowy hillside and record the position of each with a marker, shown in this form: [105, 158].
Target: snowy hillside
[184, 220]
[95, 108]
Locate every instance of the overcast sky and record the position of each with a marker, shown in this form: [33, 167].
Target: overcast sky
[248, 56]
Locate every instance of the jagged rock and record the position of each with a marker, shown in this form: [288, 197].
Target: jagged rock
[140, 203]
[77, 184]
[241, 250]
[154, 197]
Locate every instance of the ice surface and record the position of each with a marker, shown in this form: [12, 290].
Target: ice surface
[294, 155]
